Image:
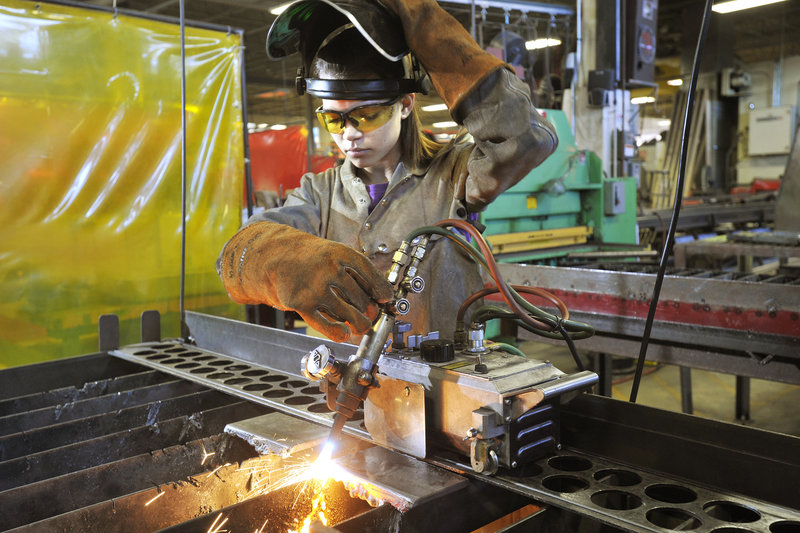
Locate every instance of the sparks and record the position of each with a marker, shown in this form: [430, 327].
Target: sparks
[206, 454]
[214, 528]
[217, 468]
[309, 477]
[157, 496]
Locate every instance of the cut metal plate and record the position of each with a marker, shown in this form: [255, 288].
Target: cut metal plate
[398, 479]
[278, 434]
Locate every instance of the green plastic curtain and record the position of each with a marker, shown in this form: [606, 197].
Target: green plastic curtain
[90, 174]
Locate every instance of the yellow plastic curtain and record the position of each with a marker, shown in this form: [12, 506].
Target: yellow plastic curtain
[90, 174]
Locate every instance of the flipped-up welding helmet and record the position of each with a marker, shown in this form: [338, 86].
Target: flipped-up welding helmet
[306, 26]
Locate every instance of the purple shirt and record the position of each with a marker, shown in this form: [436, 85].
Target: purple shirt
[376, 192]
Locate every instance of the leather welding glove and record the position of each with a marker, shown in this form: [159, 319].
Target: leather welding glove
[454, 61]
[332, 286]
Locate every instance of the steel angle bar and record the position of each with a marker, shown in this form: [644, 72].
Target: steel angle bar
[51, 463]
[84, 429]
[89, 390]
[39, 501]
[63, 412]
[68, 372]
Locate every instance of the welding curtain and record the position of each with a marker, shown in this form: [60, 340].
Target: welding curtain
[90, 174]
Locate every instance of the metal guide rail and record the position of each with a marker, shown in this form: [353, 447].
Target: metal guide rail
[743, 324]
[246, 379]
[699, 273]
[583, 485]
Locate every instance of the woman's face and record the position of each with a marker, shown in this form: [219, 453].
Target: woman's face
[377, 149]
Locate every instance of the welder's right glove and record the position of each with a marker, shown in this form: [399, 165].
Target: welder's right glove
[452, 58]
[334, 288]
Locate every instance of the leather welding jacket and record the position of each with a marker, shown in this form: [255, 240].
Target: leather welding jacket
[509, 139]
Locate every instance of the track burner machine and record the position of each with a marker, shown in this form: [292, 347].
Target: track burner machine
[499, 409]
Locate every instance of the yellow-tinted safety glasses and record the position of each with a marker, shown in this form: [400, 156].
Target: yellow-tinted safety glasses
[364, 118]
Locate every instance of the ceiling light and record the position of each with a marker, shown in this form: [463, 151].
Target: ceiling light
[643, 100]
[261, 126]
[280, 9]
[677, 82]
[541, 43]
[278, 127]
[664, 123]
[738, 5]
[448, 124]
[435, 107]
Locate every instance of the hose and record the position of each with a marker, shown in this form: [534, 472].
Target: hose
[522, 312]
[676, 208]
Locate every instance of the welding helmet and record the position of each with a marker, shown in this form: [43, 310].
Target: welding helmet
[307, 26]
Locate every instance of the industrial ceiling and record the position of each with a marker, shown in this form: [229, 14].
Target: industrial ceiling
[763, 35]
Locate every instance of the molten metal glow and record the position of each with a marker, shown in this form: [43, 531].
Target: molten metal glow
[318, 507]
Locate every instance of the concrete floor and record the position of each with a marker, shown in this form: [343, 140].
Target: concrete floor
[773, 406]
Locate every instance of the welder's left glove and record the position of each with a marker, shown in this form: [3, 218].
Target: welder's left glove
[335, 288]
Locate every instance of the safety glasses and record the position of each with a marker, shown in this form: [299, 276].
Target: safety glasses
[364, 118]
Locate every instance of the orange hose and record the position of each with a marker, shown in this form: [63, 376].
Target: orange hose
[562, 307]
[495, 273]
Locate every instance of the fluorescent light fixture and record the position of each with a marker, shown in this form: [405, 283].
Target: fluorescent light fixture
[541, 43]
[278, 127]
[677, 82]
[448, 124]
[738, 5]
[664, 123]
[643, 100]
[435, 107]
[261, 126]
[280, 9]
[251, 125]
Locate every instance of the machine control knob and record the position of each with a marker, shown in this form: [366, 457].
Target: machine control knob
[402, 306]
[318, 363]
[437, 350]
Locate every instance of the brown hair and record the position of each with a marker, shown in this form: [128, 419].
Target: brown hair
[337, 59]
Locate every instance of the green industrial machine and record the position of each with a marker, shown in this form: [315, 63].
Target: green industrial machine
[564, 206]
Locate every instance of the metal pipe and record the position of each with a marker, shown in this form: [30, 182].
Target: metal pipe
[568, 382]
[522, 5]
[184, 328]
[248, 177]
[577, 67]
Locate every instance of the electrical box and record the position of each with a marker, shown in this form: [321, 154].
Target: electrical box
[613, 197]
[733, 82]
[771, 130]
[627, 27]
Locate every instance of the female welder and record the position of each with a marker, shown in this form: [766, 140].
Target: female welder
[325, 251]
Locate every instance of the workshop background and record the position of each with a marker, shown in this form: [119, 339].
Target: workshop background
[114, 202]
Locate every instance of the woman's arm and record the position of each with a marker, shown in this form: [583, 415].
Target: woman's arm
[510, 136]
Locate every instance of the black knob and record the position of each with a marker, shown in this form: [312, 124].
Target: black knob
[437, 350]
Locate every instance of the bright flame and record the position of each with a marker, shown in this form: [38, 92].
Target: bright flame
[318, 508]
[271, 473]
